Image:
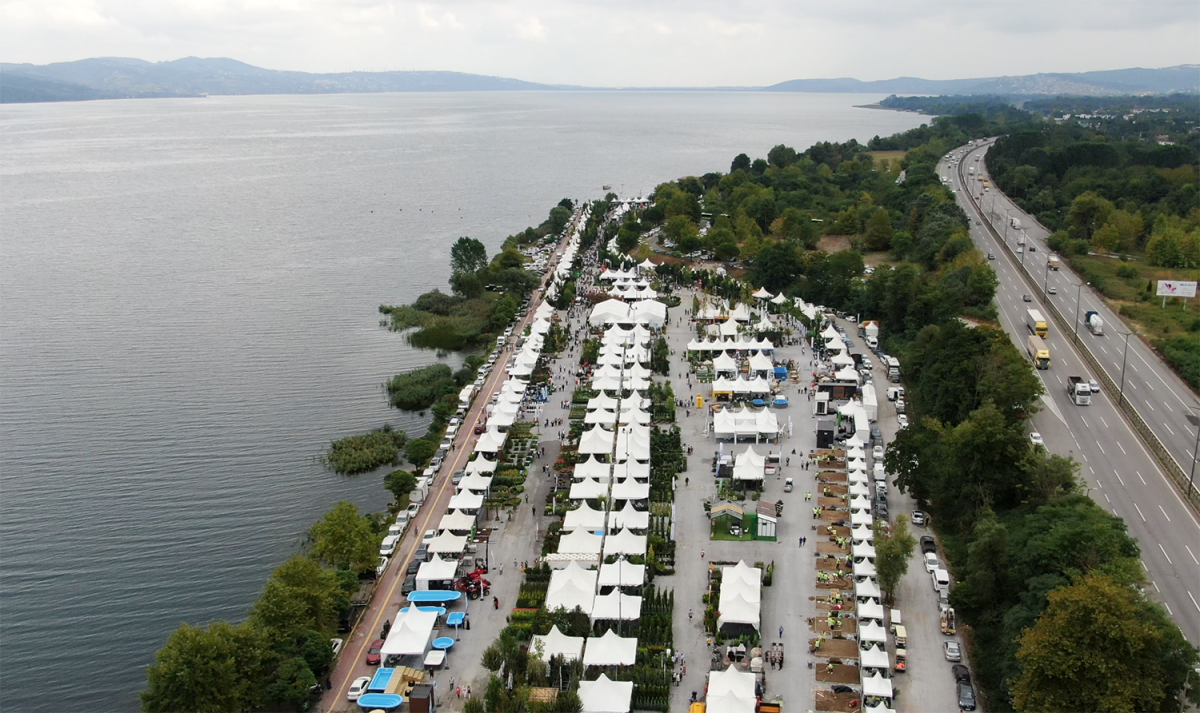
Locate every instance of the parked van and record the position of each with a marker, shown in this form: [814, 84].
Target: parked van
[941, 580]
[388, 546]
[880, 475]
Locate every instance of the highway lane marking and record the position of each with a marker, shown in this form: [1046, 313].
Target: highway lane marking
[1164, 512]
[1107, 498]
[1135, 507]
[1085, 423]
[1104, 350]
[1121, 447]
[1169, 428]
[1139, 475]
[1168, 407]
[1193, 600]
[1164, 551]
[1191, 554]
[1149, 404]
[1104, 422]
[1101, 449]
[1168, 606]
[1156, 586]
[1056, 376]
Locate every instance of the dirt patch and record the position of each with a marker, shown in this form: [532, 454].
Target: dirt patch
[833, 243]
[842, 702]
[846, 627]
[828, 503]
[835, 648]
[845, 585]
[841, 674]
[830, 548]
[826, 605]
[830, 476]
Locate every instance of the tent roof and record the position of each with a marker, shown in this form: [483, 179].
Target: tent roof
[457, 520]
[447, 543]
[597, 441]
[630, 489]
[866, 589]
[862, 533]
[602, 400]
[877, 685]
[610, 650]
[437, 569]
[588, 488]
[862, 549]
[466, 500]
[557, 643]
[730, 691]
[616, 605]
[629, 517]
[580, 542]
[871, 631]
[631, 469]
[584, 518]
[870, 610]
[724, 362]
[490, 442]
[570, 587]
[481, 465]
[864, 569]
[410, 633]
[860, 517]
[762, 294]
[475, 481]
[625, 543]
[761, 362]
[605, 696]
[621, 573]
[874, 657]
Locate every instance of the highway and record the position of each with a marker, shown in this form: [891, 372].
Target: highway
[1119, 473]
[1161, 398]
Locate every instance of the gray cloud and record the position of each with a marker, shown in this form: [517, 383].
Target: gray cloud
[621, 42]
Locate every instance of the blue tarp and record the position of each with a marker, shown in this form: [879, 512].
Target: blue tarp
[386, 701]
[381, 679]
[781, 372]
[432, 596]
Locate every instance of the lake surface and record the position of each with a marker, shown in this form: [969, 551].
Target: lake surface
[188, 294]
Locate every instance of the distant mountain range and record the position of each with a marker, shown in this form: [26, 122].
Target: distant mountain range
[116, 78]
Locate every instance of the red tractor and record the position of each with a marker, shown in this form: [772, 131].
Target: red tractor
[473, 585]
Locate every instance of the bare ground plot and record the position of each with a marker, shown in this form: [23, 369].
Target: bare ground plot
[842, 673]
[845, 702]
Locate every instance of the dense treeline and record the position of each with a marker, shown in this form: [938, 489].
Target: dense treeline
[996, 108]
[276, 656]
[1022, 538]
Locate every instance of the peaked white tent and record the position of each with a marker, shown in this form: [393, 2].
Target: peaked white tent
[724, 364]
[465, 500]
[864, 569]
[476, 482]
[629, 517]
[592, 468]
[436, 570]
[557, 643]
[448, 544]
[616, 605]
[583, 518]
[877, 685]
[870, 631]
[631, 469]
[866, 589]
[605, 696]
[622, 574]
[587, 489]
[597, 441]
[602, 401]
[630, 489]
[862, 533]
[481, 465]
[625, 543]
[456, 521]
[570, 587]
[762, 294]
[409, 635]
[874, 657]
[741, 595]
[730, 691]
[749, 466]
[869, 610]
[610, 650]
[580, 542]
[490, 442]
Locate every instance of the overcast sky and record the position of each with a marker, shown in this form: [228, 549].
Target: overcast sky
[621, 42]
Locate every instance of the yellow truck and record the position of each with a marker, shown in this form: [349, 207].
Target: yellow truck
[1036, 323]
[1039, 352]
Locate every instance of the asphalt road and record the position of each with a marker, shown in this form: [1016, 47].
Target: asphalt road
[1119, 473]
[1160, 397]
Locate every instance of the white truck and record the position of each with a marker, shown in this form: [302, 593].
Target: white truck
[893, 367]
[1093, 321]
[1053, 262]
[1016, 223]
[1079, 390]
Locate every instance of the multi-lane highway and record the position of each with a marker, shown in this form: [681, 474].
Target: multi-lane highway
[1120, 474]
[1160, 397]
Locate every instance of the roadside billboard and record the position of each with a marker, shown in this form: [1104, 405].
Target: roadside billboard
[1176, 288]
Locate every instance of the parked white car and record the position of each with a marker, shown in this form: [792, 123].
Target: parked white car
[358, 688]
[931, 562]
[388, 546]
[877, 453]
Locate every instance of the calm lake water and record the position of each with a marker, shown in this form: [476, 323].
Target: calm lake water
[188, 293]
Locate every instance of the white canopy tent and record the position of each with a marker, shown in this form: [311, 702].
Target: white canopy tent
[602, 401]
[625, 543]
[860, 517]
[490, 442]
[592, 468]
[864, 568]
[874, 657]
[731, 691]
[587, 489]
[448, 544]
[465, 500]
[481, 465]
[877, 685]
[862, 533]
[605, 696]
[580, 542]
[456, 521]
[583, 518]
[741, 595]
[610, 650]
[476, 482]
[861, 548]
[570, 587]
[556, 643]
[724, 364]
[596, 441]
[629, 517]
[631, 469]
[871, 631]
[749, 466]
[867, 589]
[622, 574]
[616, 605]
[436, 570]
[870, 610]
[630, 489]
[409, 635]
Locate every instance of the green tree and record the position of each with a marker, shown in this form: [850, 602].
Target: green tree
[291, 683]
[627, 239]
[741, 162]
[892, 551]
[781, 156]
[202, 670]
[419, 451]
[466, 284]
[878, 235]
[468, 255]
[301, 596]
[1093, 649]
[1088, 212]
[400, 483]
[775, 266]
[344, 539]
[559, 216]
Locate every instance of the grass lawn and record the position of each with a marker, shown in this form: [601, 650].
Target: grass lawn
[1174, 330]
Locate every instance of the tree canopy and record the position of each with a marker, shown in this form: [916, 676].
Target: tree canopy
[343, 538]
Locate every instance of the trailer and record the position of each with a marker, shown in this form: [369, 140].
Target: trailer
[1038, 351]
[1093, 321]
[948, 621]
[1036, 323]
[1080, 391]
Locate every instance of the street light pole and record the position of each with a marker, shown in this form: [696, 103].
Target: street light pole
[1195, 450]
[1121, 392]
[1046, 282]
